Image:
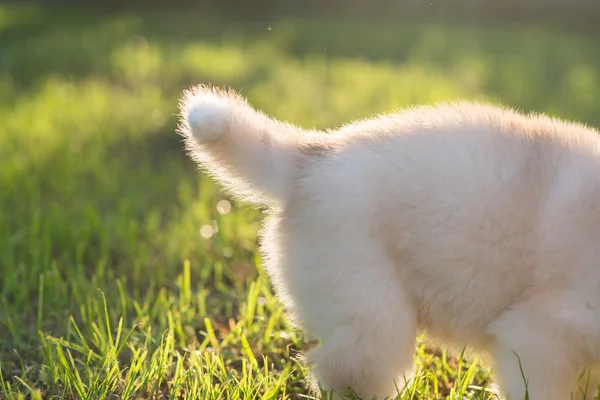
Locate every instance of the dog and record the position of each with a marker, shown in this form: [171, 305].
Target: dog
[476, 224]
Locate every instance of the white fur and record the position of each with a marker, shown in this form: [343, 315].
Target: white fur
[475, 224]
[208, 116]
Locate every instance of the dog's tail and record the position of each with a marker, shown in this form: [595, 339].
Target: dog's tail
[249, 153]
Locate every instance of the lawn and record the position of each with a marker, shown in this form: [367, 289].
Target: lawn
[124, 273]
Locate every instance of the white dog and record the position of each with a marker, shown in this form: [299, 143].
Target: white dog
[477, 225]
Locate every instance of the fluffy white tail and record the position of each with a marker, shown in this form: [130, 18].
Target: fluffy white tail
[249, 153]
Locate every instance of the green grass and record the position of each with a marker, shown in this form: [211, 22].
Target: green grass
[123, 272]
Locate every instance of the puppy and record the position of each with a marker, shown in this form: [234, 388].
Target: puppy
[475, 224]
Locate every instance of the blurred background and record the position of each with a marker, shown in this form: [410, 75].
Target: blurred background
[118, 258]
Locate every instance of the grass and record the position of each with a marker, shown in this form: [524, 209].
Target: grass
[123, 272]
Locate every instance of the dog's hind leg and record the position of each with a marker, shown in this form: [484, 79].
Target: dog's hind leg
[363, 361]
[348, 295]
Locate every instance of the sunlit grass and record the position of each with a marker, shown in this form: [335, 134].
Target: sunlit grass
[123, 271]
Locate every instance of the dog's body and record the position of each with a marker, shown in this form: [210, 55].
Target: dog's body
[475, 224]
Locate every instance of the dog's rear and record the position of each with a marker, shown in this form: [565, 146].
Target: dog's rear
[444, 218]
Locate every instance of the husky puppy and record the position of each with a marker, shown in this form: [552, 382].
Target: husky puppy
[475, 224]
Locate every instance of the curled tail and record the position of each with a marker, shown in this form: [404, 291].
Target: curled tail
[249, 153]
